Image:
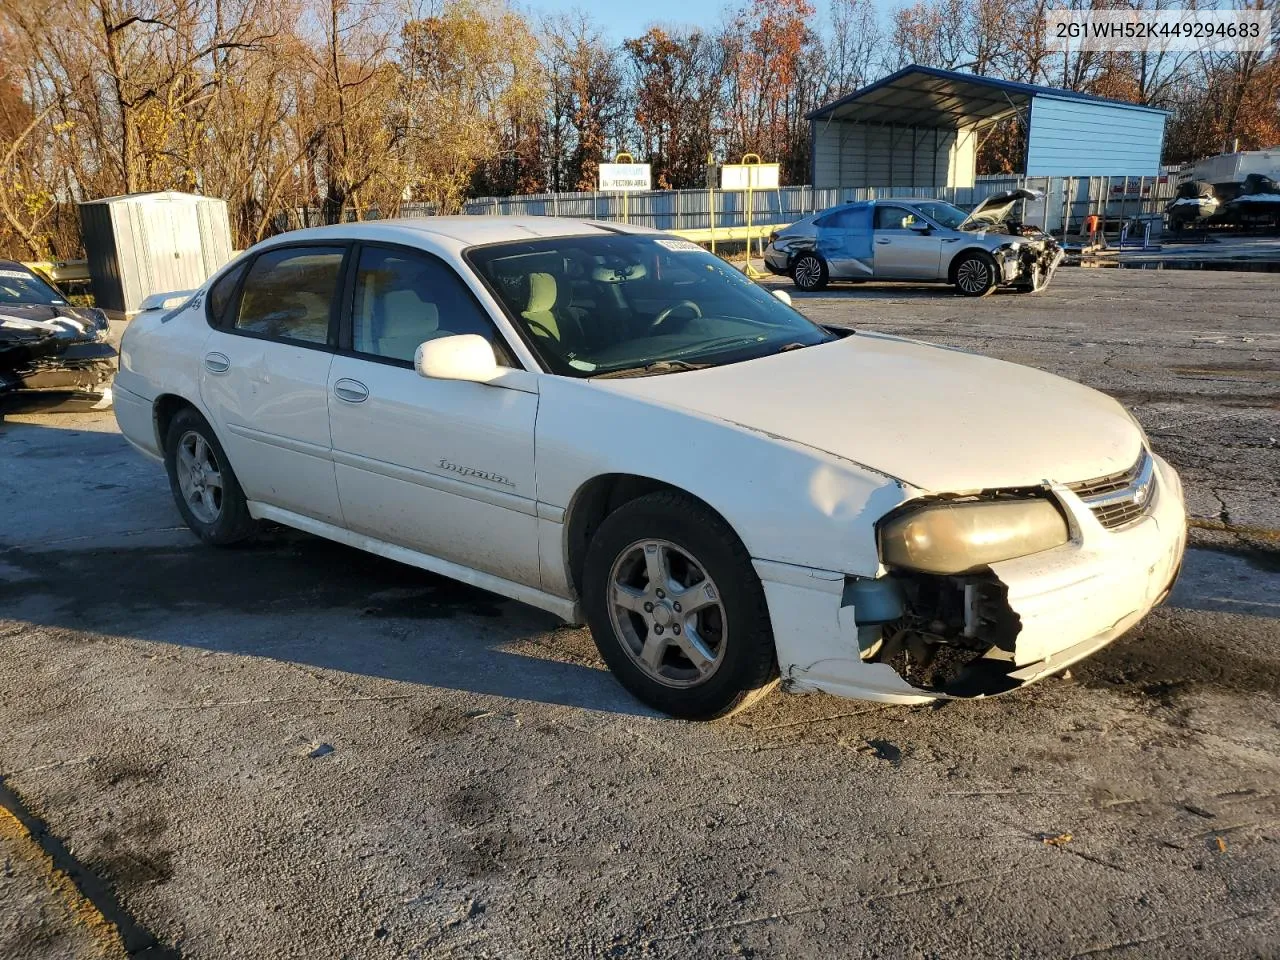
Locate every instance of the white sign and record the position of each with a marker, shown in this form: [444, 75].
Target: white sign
[624, 177]
[756, 176]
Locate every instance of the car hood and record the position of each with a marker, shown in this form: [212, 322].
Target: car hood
[996, 207]
[32, 322]
[938, 419]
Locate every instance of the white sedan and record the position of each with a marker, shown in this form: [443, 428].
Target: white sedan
[618, 427]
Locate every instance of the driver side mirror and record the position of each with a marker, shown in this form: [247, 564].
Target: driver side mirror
[464, 356]
[918, 226]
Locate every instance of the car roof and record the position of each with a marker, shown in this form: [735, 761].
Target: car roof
[14, 265]
[460, 231]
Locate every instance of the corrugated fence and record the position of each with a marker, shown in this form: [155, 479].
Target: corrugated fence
[690, 209]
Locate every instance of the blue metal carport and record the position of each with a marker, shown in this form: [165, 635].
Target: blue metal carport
[922, 126]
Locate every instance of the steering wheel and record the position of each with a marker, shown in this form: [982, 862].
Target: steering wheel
[663, 314]
[542, 327]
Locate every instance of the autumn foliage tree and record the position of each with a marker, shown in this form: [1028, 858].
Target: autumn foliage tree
[677, 96]
[305, 111]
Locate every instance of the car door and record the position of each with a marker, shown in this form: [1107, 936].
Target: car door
[901, 252]
[844, 242]
[444, 467]
[265, 372]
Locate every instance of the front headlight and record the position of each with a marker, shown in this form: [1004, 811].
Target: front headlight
[960, 537]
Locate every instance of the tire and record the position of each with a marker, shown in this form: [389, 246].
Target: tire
[216, 512]
[809, 272]
[975, 273]
[697, 550]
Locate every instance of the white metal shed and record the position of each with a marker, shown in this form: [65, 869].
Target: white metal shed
[140, 244]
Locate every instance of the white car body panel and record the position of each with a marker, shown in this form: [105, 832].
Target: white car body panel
[270, 403]
[801, 453]
[440, 466]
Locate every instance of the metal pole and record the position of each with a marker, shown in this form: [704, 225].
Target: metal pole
[711, 197]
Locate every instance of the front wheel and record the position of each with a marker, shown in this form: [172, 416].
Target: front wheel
[676, 609]
[975, 274]
[809, 272]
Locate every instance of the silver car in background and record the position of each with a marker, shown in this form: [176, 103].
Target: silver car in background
[918, 239]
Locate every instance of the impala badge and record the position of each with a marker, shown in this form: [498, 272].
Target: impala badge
[473, 472]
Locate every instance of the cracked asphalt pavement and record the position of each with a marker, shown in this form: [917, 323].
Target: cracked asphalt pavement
[297, 750]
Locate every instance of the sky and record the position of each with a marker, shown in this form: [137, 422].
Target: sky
[628, 18]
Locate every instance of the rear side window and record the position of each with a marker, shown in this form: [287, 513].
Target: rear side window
[220, 295]
[846, 218]
[289, 294]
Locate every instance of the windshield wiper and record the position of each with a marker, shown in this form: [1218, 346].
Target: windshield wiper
[649, 369]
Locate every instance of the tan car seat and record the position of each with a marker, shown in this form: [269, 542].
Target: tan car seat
[406, 321]
[540, 310]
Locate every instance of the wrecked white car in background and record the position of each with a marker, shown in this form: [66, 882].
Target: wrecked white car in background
[619, 427]
[922, 240]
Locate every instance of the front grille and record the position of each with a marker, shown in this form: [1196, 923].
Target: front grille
[1121, 498]
[1108, 484]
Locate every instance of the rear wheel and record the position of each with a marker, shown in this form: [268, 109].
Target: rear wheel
[975, 274]
[204, 486]
[676, 609]
[809, 272]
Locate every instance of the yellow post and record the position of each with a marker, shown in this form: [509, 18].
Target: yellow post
[751, 165]
[617, 158]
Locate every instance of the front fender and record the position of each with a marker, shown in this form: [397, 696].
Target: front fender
[787, 502]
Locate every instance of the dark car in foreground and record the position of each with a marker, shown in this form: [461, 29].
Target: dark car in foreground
[53, 356]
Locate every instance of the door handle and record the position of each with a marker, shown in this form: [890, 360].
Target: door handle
[217, 362]
[885, 240]
[352, 391]
[950, 239]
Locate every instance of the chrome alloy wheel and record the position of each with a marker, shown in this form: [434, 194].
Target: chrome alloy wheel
[973, 276]
[808, 272]
[667, 613]
[199, 477]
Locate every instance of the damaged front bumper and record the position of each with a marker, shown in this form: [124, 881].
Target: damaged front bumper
[1055, 607]
[1030, 266]
[78, 377]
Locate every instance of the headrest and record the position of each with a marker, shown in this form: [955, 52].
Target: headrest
[542, 293]
[404, 309]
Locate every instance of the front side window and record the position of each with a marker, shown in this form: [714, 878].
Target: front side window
[289, 294]
[597, 305]
[894, 218]
[404, 298]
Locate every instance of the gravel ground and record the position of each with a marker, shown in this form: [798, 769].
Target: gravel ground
[297, 750]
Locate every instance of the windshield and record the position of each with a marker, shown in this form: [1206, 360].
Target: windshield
[19, 286]
[602, 304]
[942, 213]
